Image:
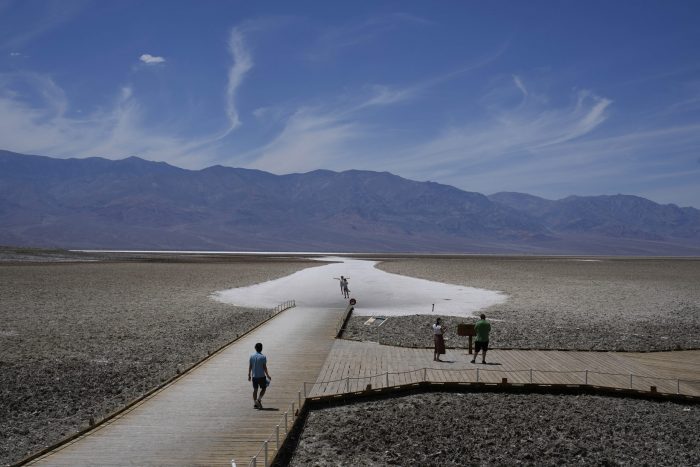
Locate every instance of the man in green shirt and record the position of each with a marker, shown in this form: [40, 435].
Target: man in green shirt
[482, 328]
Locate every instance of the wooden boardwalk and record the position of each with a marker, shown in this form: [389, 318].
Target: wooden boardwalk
[207, 417]
[352, 365]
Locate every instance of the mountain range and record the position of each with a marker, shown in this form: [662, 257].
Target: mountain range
[96, 203]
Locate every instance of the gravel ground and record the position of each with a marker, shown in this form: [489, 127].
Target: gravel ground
[559, 303]
[82, 340]
[501, 429]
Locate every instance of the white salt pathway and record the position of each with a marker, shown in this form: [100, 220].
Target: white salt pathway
[377, 292]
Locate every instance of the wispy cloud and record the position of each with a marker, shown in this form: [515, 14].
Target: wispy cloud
[555, 150]
[48, 16]
[242, 63]
[39, 121]
[327, 135]
[309, 140]
[151, 59]
[336, 38]
[501, 136]
[504, 136]
[35, 116]
[333, 135]
[519, 84]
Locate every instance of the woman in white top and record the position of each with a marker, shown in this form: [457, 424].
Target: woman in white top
[438, 332]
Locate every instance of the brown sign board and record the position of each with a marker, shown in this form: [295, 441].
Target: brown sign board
[464, 329]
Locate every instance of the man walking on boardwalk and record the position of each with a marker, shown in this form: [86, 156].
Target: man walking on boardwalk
[482, 328]
[257, 368]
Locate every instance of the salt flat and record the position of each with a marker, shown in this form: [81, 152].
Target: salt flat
[377, 292]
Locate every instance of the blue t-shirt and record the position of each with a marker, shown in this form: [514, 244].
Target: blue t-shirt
[258, 362]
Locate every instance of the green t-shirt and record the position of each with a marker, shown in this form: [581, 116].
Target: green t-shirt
[482, 328]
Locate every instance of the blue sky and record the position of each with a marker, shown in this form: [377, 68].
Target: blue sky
[550, 98]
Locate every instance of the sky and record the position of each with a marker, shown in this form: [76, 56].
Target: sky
[551, 98]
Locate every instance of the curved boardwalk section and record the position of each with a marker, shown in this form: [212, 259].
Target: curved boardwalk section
[207, 417]
[352, 365]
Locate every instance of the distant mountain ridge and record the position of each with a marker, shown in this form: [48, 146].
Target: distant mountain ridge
[617, 215]
[132, 203]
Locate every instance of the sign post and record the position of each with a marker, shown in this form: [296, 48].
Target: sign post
[464, 329]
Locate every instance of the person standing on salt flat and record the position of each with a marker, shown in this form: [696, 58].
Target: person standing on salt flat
[344, 290]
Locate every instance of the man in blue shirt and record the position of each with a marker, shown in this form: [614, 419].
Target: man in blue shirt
[257, 370]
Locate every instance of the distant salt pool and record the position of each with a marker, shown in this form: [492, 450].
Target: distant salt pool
[377, 292]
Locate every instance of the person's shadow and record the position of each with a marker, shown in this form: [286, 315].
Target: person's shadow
[272, 409]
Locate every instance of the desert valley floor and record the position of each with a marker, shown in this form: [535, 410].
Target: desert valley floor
[81, 339]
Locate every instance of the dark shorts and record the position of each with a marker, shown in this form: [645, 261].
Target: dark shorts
[262, 382]
[481, 345]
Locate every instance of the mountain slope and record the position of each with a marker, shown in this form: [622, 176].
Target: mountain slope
[619, 216]
[138, 204]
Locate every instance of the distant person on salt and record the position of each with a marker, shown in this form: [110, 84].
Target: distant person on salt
[439, 339]
[344, 290]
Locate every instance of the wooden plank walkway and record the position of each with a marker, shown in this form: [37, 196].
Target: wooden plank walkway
[352, 365]
[207, 416]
